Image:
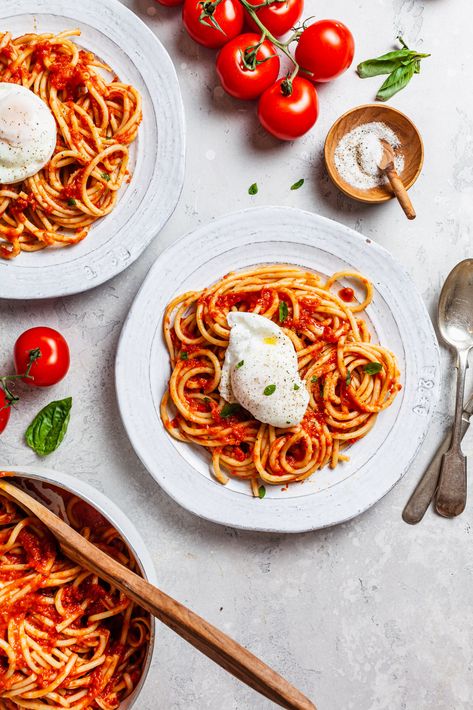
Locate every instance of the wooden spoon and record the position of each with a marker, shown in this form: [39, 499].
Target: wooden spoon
[386, 164]
[206, 638]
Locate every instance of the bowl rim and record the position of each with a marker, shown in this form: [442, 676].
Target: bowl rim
[121, 523]
[333, 174]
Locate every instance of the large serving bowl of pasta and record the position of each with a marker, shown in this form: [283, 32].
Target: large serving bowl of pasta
[67, 638]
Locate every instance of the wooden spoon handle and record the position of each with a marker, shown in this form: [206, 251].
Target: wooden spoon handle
[206, 638]
[400, 192]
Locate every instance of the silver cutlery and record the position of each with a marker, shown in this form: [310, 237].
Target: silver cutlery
[455, 321]
[424, 492]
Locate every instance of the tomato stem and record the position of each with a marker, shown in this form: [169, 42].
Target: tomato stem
[5, 380]
[266, 34]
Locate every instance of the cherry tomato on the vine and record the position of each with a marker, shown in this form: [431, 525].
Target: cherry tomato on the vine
[4, 410]
[213, 24]
[278, 17]
[170, 3]
[288, 109]
[246, 67]
[325, 50]
[43, 353]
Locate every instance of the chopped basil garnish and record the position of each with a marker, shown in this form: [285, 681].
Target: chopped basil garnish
[184, 355]
[283, 311]
[71, 202]
[314, 378]
[106, 176]
[372, 368]
[297, 184]
[253, 189]
[261, 492]
[229, 410]
[296, 387]
[348, 378]
[270, 389]
[240, 364]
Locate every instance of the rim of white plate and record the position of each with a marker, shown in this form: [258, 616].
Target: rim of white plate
[121, 523]
[121, 38]
[277, 231]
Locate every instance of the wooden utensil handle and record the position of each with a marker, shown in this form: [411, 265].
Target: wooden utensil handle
[400, 192]
[198, 632]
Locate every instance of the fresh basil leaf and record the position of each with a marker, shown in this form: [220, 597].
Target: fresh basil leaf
[400, 65]
[49, 426]
[270, 389]
[261, 492]
[372, 368]
[283, 311]
[297, 184]
[229, 410]
[385, 64]
[395, 82]
[253, 189]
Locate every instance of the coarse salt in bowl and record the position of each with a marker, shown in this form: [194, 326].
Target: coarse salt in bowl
[410, 146]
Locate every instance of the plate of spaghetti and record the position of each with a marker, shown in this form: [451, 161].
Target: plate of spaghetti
[67, 638]
[116, 168]
[286, 364]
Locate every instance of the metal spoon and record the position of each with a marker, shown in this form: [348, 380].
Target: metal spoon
[455, 321]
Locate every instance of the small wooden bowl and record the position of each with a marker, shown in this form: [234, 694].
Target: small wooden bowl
[411, 147]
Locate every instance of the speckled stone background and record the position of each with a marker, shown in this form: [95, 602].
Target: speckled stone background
[371, 615]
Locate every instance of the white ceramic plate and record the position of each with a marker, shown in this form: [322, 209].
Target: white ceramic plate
[123, 41]
[397, 317]
[114, 515]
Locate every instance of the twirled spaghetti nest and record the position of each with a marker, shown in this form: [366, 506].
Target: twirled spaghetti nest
[96, 118]
[349, 378]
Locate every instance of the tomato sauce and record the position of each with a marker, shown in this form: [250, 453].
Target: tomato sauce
[38, 550]
[249, 299]
[74, 189]
[18, 206]
[63, 75]
[347, 294]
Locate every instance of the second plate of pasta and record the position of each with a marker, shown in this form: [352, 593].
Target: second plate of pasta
[367, 371]
[112, 92]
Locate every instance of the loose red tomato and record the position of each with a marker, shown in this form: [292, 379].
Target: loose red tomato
[278, 18]
[45, 352]
[245, 67]
[211, 24]
[289, 114]
[170, 3]
[325, 50]
[4, 410]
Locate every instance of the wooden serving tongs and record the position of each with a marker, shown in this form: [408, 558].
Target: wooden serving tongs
[386, 165]
[216, 645]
